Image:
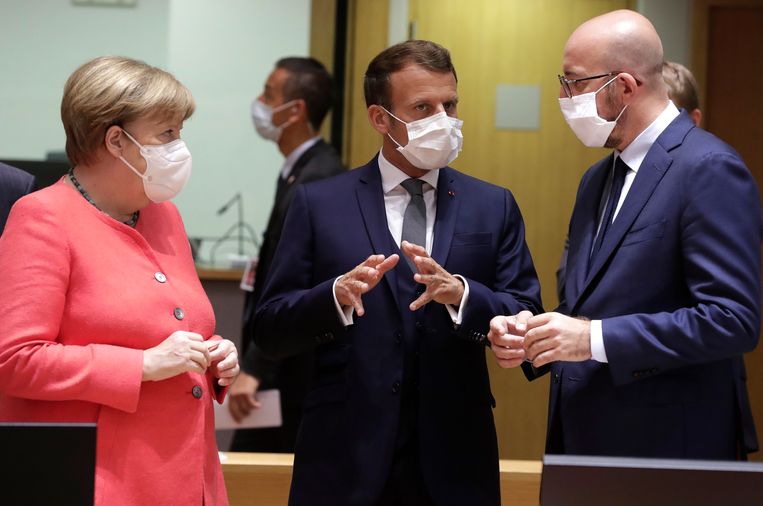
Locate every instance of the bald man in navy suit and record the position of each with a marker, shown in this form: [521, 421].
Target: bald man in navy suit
[14, 184]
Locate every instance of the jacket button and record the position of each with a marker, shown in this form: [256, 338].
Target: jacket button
[179, 314]
[196, 391]
[556, 377]
[395, 387]
[160, 277]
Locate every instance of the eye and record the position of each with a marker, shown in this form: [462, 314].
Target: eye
[421, 107]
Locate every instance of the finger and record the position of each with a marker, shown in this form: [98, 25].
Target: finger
[412, 250]
[193, 336]
[538, 347]
[227, 364]
[510, 341]
[509, 364]
[388, 263]
[372, 261]
[520, 321]
[545, 358]
[424, 299]
[503, 353]
[538, 320]
[236, 411]
[499, 326]
[196, 357]
[357, 304]
[223, 349]
[538, 334]
[426, 264]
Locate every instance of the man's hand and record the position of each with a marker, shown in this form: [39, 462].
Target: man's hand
[506, 338]
[441, 286]
[351, 286]
[553, 336]
[242, 396]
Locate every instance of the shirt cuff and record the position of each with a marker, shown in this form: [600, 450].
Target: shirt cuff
[345, 313]
[598, 353]
[457, 313]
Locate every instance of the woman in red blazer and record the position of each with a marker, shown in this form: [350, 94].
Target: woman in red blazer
[104, 317]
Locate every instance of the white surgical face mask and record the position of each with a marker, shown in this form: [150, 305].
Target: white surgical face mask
[262, 115]
[433, 142]
[582, 116]
[168, 168]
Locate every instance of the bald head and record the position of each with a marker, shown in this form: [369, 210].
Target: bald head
[622, 41]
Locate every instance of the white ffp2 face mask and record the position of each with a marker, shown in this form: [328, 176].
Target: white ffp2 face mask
[262, 116]
[582, 116]
[433, 142]
[168, 168]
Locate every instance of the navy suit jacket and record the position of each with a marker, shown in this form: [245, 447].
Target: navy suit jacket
[14, 184]
[347, 438]
[677, 285]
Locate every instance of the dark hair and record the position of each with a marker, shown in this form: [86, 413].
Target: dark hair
[427, 54]
[682, 87]
[310, 81]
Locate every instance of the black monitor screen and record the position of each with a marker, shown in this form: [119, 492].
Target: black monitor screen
[47, 464]
[570, 480]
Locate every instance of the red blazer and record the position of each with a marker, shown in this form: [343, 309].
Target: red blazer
[81, 297]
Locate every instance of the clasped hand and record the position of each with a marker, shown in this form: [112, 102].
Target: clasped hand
[188, 352]
[541, 339]
[441, 286]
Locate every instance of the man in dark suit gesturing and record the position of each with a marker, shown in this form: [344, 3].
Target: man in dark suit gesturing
[295, 100]
[663, 290]
[391, 273]
[14, 184]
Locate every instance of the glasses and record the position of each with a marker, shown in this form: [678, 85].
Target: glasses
[567, 82]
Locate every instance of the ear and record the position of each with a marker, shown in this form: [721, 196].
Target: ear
[114, 141]
[629, 86]
[298, 109]
[379, 119]
[696, 115]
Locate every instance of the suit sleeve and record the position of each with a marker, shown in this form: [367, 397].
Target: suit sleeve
[296, 312]
[35, 262]
[516, 286]
[721, 231]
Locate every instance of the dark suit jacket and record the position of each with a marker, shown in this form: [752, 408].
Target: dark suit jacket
[14, 184]
[291, 375]
[677, 287]
[347, 437]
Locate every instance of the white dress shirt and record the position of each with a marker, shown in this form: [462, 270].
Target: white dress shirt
[396, 199]
[633, 156]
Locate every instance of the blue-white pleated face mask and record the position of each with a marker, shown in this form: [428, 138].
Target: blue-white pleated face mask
[582, 116]
[168, 168]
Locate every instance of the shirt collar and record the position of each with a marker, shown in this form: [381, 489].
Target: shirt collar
[391, 176]
[634, 154]
[288, 164]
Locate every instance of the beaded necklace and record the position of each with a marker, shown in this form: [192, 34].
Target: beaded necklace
[130, 223]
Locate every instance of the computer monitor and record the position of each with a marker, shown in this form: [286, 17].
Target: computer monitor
[46, 172]
[47, 464]
[570, 480]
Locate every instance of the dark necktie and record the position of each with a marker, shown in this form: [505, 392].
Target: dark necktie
[415, 217]
[621, 169]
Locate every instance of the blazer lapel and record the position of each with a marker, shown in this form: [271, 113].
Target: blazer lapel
[370, 197]
[448, 203]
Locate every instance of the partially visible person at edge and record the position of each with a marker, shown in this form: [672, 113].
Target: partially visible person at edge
[104, 317]
[14, 184]
[683, 92]
[663, 281]
[294, 102]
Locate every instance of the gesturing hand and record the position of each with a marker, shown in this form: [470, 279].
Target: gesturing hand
[506, 338]
[223, 359]
[553, 336]
[181, 352]
[351, 286]
[442, 286]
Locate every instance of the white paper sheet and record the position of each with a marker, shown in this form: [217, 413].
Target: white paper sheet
[268, 415]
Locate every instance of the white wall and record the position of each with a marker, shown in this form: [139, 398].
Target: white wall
[221, 49]
[672, 19]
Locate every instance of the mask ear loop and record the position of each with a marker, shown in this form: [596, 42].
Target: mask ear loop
[137, 173]
[604, 86]
[400, 146]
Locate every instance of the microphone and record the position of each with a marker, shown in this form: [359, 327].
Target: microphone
[236, 198]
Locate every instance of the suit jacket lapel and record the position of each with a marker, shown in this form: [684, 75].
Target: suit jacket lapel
[370, 197]
[583, 230]
[448, 203]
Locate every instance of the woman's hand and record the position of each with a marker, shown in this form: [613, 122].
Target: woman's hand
[180, 352]
[223, 361]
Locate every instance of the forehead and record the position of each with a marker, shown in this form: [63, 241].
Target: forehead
[582, 55]
[276, 79]
[158, 122]
[415, 83]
